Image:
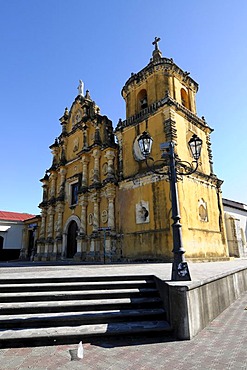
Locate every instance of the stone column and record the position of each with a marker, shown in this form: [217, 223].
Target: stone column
[42, 235]
[64, 245]
[53, 177]
[59, 210]
[95, 212]
[49, 233]
[111, 193]
[62, 173]
[94, 253]
[96, 177]
[43, 224]
[50, 226]
[84, 181]
[84, 204]
[110, 155]
[110, 235]
[57, 248]
[81, 238]
[85, 140]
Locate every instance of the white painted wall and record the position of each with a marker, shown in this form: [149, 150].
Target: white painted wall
[236, 227]
[13, 236]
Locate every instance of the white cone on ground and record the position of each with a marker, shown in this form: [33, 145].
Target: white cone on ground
[80, 350]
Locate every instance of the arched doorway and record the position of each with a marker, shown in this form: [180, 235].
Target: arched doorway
[71, 239]
[30, 243]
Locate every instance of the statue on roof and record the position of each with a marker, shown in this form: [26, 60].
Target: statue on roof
[80, 88]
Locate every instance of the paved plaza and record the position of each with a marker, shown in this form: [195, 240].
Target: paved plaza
[200, 272]
[221, 345]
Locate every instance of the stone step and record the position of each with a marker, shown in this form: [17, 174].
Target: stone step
[13, 308]
[76, 279]
[70, 286]
[75, 334]
[79, 295]
[79, 318]
[46, 311]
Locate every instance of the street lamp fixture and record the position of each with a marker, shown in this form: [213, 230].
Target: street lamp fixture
[180, 269]
[195, 144]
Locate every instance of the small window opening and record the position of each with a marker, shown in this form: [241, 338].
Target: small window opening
[144, 103]
[74, 194]
[142, 99]
[185, 99]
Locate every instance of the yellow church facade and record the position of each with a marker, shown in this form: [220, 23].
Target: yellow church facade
[102, 203]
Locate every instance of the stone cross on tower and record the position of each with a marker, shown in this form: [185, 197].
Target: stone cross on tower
[155, 42]
[156, 53]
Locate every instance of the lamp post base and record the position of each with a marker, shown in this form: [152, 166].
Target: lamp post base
[180, 271]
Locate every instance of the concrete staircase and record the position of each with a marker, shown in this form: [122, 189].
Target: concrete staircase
[48, 311]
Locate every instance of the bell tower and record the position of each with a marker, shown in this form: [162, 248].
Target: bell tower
[153, 97]
[159, 78]
[161, 100]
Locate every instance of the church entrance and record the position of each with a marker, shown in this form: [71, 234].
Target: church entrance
[71, 239]
[30, 243]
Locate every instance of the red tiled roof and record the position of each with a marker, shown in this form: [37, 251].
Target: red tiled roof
[14, 216]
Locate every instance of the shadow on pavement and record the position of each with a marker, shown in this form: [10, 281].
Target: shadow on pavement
[111, 342]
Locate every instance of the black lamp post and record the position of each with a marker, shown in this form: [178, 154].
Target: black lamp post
[180, 269]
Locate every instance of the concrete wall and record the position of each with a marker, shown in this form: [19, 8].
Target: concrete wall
[193, 306]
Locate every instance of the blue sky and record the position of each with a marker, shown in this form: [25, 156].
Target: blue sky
[48, 45]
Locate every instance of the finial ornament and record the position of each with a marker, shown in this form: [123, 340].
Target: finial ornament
[155, 42]
[87, 96]
[80, 88]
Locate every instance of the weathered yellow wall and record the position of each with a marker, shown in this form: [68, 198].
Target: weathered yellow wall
[145, 239]
[201, 238]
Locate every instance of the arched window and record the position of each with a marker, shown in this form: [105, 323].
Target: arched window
[185, 99]
[142, 99]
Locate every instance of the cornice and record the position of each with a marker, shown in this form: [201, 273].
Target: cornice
[212, 178]
[164, 64]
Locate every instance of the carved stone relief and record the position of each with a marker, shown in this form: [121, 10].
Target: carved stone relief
[142, 212]
[76, 144]
[104, 216]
